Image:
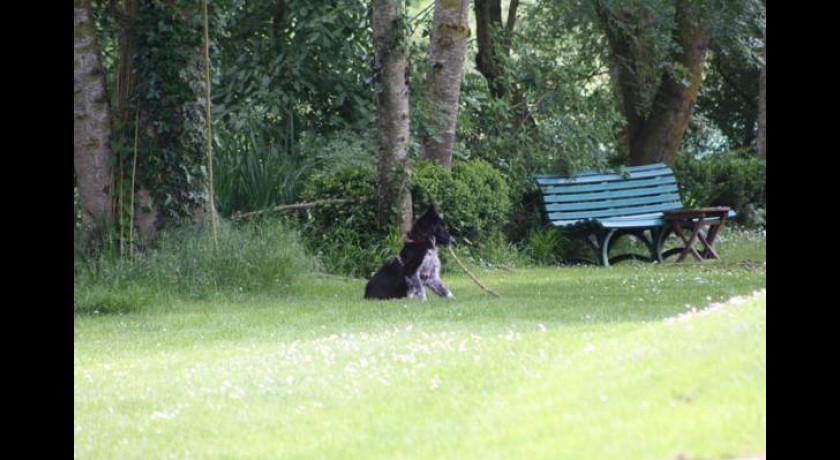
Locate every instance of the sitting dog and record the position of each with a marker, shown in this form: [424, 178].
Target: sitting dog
[416, 265]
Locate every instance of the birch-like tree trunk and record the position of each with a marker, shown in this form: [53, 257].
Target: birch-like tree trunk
[91, 127]
[450, 29]
[392, 115]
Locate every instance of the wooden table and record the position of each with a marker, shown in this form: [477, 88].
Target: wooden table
[704, 225]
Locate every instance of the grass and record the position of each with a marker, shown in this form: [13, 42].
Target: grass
[261, 256]
[572, 362]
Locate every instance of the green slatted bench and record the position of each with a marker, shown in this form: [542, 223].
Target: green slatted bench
[601, 207]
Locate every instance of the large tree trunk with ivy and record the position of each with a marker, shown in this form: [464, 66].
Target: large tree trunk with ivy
[450, 29]
[654, 134]
[762, 105]
[169, 98]
[391, 67]
[91, 127]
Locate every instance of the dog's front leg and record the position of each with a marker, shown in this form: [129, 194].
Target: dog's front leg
[415, 287]
[435, 284]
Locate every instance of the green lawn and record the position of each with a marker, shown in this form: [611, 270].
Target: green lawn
[571, 362]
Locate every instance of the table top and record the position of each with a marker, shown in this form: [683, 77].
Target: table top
[716, 211]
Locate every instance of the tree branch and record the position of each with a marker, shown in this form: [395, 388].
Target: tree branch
[286, 207]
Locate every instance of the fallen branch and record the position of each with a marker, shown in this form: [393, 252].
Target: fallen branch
[336, 277]
[469, 273]
[285, 207]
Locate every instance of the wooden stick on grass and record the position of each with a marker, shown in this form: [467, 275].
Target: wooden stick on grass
[469, 273]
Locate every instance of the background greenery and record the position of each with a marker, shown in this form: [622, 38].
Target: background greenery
[294, 120]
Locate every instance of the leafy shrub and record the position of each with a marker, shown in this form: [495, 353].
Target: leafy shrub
[338, 149]
[349, 236]
[473, 198]
[733, 179]
[358, 213]
[544, 244]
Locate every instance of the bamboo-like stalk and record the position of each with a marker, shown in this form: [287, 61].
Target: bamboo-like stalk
[213, 218]
[131, 190]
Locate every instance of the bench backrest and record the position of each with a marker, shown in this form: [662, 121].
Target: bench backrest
[633, 192]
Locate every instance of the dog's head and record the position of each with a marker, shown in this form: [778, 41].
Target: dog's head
[430, 227]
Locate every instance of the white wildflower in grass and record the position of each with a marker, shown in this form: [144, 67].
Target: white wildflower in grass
[164, 414]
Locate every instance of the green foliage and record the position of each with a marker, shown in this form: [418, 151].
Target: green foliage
[473, 198]
[169, 94]
[338, 149]
[350, 237]
[729, 95]
[254, 172]
[738, 180]
[567, 116]
[544, 244]
[358, 214]
[255, 258]
[295, 62]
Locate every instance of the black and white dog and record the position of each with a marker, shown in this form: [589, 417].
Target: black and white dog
[416, 265]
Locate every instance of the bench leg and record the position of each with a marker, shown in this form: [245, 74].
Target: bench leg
[600, 243]
[604, 253]
[661, 234]
[653, 253]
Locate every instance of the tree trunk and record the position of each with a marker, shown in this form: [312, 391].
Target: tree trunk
[656, 135]
[169, 97]
[661, 134]
[488, 16]
[762, 105]
[494, 41]
[450, 29]
[393, 175]
[91, 127]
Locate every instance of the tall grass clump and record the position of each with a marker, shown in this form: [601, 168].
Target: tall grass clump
[256, 172]
[260, 258]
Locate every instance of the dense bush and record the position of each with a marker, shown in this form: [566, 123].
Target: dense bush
[357, 212]
[255, 258]
[473, 198]
[350, 237]
[347, 236]
[734, 179]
